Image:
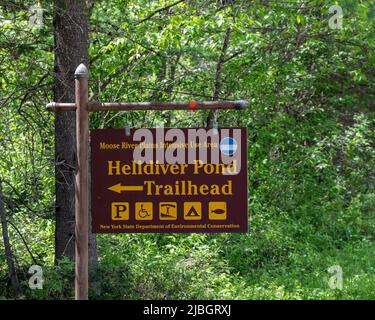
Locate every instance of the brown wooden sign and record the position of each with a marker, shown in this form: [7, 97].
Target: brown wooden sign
[169, 180]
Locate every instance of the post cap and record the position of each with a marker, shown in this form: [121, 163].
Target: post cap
[81, 71]
[242, 104]
[51, 106]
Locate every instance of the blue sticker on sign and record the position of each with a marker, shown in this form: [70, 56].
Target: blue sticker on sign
[228, 146]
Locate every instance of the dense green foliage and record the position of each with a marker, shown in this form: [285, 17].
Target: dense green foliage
[311, 144]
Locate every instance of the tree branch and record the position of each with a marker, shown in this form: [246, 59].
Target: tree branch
[159, 10]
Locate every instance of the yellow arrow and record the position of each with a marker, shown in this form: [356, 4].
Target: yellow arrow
[119, 188]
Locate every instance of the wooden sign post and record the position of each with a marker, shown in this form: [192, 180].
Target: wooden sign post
[82, 107]
[81, 186]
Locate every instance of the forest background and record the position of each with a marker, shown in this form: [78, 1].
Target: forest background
[309, 80]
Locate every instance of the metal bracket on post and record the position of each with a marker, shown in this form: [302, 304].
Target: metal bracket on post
[214, 126]
[127, 130]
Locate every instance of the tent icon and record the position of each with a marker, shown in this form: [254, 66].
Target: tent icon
[192, 211]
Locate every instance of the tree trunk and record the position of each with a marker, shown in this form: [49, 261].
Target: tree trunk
[71, 49]
[218, 82]
[8, 251]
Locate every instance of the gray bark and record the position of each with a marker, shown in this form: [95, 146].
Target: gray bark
[71, 49]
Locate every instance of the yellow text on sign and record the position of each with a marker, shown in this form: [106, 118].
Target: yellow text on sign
[167, 210]
[120, 210]
[192, 211]
[143, 211]
[217, 210]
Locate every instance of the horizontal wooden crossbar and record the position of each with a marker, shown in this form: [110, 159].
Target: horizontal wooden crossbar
[181, 105]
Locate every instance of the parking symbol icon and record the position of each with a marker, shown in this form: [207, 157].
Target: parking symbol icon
[120, 210]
